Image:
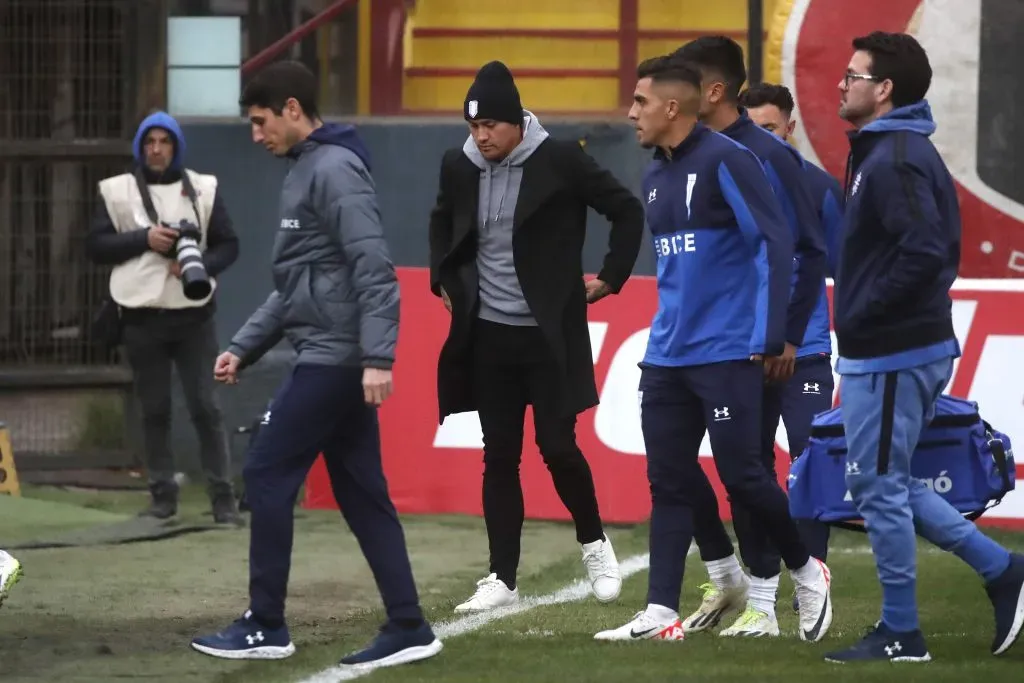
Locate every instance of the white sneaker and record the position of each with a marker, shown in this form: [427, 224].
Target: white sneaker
[10, 573]
[717, 603]
[645, 627]
[491, 593]
[814, 599]
[602, 569]
[753, 623]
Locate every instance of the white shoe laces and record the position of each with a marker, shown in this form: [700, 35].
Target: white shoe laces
[596, 563]
[485, 587]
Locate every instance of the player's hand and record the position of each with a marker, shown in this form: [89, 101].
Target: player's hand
[377, 385]
[161, 239]
[225, 368]
[596, 290]
[175, 268]
[781, 368]
[446, 300]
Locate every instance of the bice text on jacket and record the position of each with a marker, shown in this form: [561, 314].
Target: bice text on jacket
[724, 254]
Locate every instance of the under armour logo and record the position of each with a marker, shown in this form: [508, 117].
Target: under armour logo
[812, 388]
[256, 638]
[852, 468]
[266, 418]
[893, 649]
[722, 414]
[652, 195]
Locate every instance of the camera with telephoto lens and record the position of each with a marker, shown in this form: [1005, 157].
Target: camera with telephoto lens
[194, 278]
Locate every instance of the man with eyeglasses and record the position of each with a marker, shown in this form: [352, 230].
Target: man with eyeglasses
[899, 257]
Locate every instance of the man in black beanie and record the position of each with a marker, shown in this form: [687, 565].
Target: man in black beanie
[506, 243]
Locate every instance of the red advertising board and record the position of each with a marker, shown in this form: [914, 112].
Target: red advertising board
[435, 468]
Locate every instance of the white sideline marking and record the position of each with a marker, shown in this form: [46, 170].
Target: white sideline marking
[573, 592]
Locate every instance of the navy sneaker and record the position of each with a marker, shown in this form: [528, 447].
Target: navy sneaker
[882, 643]
[247, 639]
[1007, 596]
[394, 645]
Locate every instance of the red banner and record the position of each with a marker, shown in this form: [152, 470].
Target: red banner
[437, 469]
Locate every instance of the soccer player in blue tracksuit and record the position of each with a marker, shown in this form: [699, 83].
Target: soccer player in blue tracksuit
[771, 107]
[804, 368]
[725, 258]
[894, 327]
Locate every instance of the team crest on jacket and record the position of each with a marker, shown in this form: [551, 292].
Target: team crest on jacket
[473, 108]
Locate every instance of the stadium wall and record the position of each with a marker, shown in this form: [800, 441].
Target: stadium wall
[435, 468]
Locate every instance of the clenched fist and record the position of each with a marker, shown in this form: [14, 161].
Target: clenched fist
[225, 369]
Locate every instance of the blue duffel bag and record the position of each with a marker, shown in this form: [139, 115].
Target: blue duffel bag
[960, 457]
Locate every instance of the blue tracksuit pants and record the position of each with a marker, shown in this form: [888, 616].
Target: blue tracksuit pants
[320, 409]
[884, 415]
[807, 393]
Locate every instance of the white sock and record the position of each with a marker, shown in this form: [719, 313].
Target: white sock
[763, 593]
[661, 614]
[807, 573]
[726, 572]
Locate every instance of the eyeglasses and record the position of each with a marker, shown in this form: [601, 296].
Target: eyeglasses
[850, 76]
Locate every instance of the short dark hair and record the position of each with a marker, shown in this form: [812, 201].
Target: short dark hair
[275, 84]
[898, 57]
[719, 55]
[768, 93]
[665, 69]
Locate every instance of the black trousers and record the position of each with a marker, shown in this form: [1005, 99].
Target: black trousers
[156, 339]
[513, 368]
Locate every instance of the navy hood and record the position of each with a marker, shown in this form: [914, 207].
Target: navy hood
[914, 118]
[342, 135]
[165, 121]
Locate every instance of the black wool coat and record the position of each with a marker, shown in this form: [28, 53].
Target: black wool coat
[559, 182]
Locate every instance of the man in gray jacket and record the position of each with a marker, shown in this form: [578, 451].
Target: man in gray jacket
[336, 301]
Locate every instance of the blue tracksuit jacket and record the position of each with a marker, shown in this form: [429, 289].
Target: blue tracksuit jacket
[828, 195]
[724, 254]
[807, 326]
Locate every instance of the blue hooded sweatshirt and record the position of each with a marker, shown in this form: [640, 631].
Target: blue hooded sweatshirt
[167, 122]
[724, 254]
[807, 325]
[900, 248]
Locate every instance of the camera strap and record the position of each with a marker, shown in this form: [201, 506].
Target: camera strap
[147, 200]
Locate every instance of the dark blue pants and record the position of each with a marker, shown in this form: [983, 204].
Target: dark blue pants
[807, 393]
[321, 409]
[677, 406]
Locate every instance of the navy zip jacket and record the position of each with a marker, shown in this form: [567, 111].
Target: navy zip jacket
[724, 254]
[828, 194]
[807, 320]
[901, 248]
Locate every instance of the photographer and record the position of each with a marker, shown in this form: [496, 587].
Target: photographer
[168, 235]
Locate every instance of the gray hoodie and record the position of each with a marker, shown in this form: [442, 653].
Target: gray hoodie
[501, 297]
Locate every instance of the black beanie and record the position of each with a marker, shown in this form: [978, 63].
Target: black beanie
[493, 96]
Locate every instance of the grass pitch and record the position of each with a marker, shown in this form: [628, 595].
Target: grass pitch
[126, 613]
